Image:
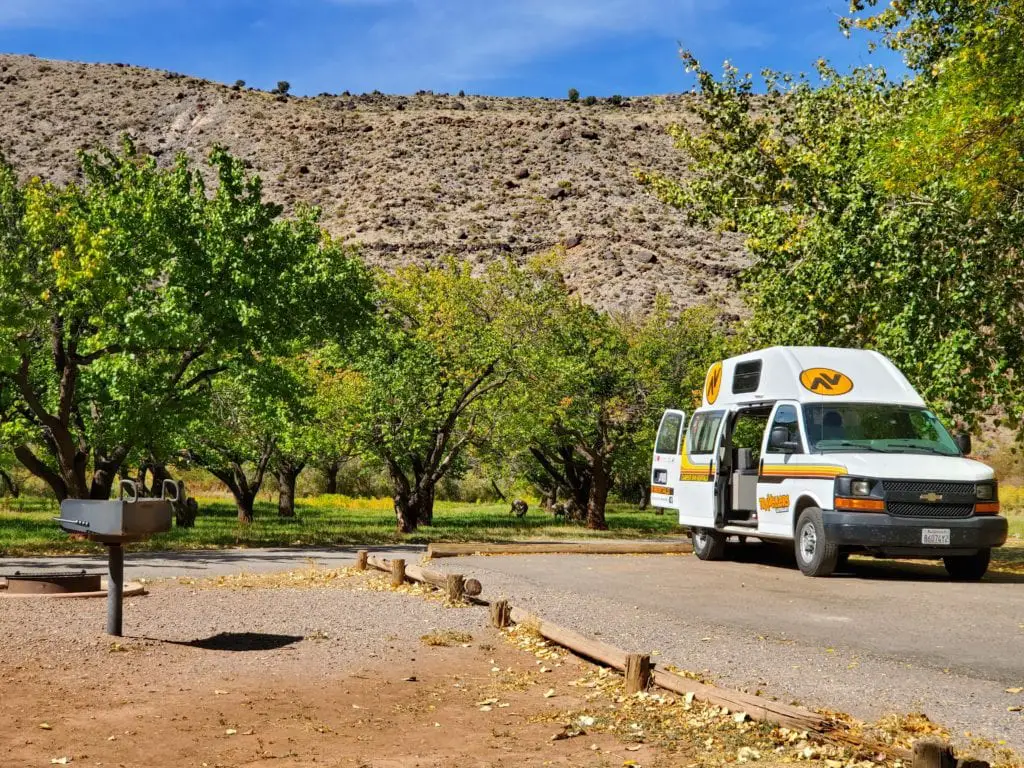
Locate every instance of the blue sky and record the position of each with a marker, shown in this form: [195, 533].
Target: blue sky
[500, 47]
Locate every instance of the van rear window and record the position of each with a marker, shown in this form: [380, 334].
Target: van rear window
[746, 377]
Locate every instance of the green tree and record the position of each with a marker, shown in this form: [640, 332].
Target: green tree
[428, 378]
[593, 387]
[574, 95]
[122, 299]
[237, 437]
[839, 258]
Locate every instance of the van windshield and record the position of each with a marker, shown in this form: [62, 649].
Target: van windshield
[856, 427]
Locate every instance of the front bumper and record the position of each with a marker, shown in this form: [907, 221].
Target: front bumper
[896, 534]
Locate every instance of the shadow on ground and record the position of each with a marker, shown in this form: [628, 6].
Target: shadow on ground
[240, 641]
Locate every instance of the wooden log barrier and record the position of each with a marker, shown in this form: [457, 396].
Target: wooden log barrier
[638, 672]
[470, 587]
[361, 556]
[500, 617]
[559, 548]
[397, 572]
[932, 753]
[755, 707]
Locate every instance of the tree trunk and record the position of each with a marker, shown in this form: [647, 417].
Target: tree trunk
[7, 481]
[287, 475]
[105, 471]
[331, 473]
[245, 503]
[424, 502]
[600, 484]
[406, 515]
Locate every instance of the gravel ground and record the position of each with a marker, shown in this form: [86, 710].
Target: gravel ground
[577, 591]
[344, 632]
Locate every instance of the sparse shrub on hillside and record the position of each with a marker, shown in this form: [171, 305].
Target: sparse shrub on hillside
[574, 95]
[590, 101]
[462, 94]
[283, 86]
[239, 85]
[616, 100]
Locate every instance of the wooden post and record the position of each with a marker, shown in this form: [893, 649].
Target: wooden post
[932, 753]
[638, 672]
[397, 572]
[361, 556]
[455, 587]
[500, 614]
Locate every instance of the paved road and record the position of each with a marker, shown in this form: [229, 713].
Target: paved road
[879, 640]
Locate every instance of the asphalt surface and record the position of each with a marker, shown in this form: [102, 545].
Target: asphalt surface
[877, 640]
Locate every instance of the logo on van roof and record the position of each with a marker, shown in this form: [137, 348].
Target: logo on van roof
[714, 383]
[825, 381]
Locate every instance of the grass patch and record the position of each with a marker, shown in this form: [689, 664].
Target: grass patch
[27, 527]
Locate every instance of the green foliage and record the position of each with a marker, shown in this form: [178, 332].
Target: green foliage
[428, 376]
[839, 259]
[122, 299]
[283, 86]
[616, 100]
[574, 95]
[590, 101]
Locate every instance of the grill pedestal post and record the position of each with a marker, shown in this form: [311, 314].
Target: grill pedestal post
[115, 588]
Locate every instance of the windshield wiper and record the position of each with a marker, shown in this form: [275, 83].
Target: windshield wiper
[850, 444]
[925, 448]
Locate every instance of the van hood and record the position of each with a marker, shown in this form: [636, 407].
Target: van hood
[911, 466]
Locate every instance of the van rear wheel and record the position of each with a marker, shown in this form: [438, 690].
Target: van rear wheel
[814, 554]
[708, 544]
[968, 567]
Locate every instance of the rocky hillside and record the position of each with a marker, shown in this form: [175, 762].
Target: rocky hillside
[410, 178]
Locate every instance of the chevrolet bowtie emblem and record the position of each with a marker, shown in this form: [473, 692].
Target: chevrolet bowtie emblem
[931, 498]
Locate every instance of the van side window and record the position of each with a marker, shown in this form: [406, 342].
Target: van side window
[785, 416]
[746, 377]
[703, 432]
[668, 435]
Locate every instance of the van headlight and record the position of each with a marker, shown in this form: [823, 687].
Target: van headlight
[985, 491]
[861, 487]
[853, 486]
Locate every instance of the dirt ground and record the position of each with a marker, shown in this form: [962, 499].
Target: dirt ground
[179, 691]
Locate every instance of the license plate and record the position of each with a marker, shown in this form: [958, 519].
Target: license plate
[935, 536]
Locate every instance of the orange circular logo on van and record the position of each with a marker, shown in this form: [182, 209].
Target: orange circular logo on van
[825, 381]
[714, 383]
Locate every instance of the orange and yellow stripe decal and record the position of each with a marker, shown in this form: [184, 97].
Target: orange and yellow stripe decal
[661, 490]
[802, 471]
[690, 472]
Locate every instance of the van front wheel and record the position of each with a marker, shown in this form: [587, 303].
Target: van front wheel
[814, 554]
[968, 567]
[708, 544]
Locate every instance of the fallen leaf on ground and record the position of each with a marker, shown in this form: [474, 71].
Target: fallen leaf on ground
[46, 726]
[549, 693]
[1014, 690]
[230, 732]
[60, 760]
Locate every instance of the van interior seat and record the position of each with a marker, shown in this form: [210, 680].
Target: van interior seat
[743, 461]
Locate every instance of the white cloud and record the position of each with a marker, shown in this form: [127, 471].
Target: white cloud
[462, 41]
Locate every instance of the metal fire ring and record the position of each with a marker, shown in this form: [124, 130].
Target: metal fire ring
[48, 583]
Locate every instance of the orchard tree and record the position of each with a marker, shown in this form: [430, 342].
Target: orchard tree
[593, 387]
[429, 375]
[237, 437]
[121, 300]
[840, 257]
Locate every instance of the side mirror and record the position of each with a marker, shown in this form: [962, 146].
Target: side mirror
[778, 441]
[963, 442]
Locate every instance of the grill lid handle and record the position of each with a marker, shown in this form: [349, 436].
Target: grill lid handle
[172, 485]
[132, 489]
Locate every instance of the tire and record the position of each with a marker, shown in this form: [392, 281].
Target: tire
[814, 554]
[968, 567]
[708, 544]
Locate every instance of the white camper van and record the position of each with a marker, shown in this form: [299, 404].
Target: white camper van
[831, 449]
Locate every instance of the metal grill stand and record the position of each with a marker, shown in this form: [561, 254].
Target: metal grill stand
[115, 588]
[114, 523]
